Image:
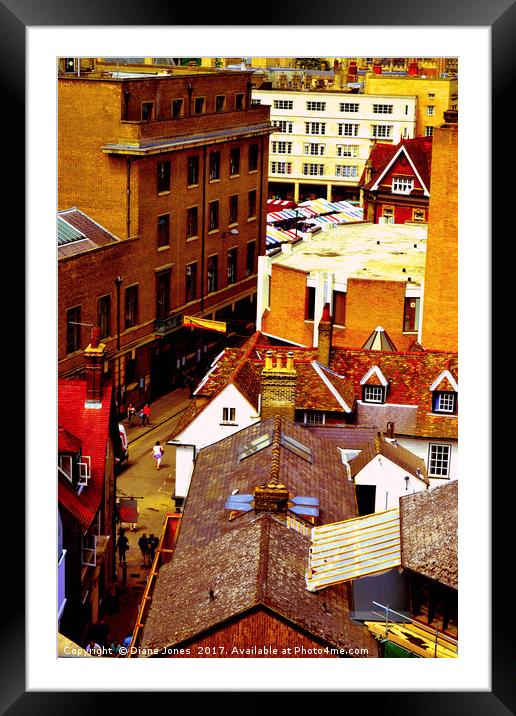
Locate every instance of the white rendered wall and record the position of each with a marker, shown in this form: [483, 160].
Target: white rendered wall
[390, 483]
[420, 447]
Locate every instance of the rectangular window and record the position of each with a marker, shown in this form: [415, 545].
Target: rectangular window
[411, 315]
[147, 111]
[239, 101]
[163, 176]
[281, 167]
[199, 105]
[131, 306]
[251, 204]
[339, 308]
[220, 103]
[314, 417]
[348, 106]
[283, 104]
[228, 415]
[402, 185]
[347, 130]
[233, 209]
[346, 170]
[429, 131]
[191, 282]
[314, 149]
[213, 271]
[382, 108]
[232, 265]
[316, 106]
[431, 95]
[381, 131]
[418, 215]
[388, 214]
[309, 303]
[445, 402]
[191, 222]
[73, 330]
[347, 150]
[281, 147]
[163, 230]
[192, 171]
[104, 315]
[234, 161]
[213, 216]
[430, 110]
[162, 295]
[313, 169]
[315, 127]
[177, 108]
[214, 170]
[439, 460]
[250, 259]
[282, 126]
[372, 394]
[253, 157]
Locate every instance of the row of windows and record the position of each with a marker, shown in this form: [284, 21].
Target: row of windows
[388, 215]
[192, 217]
[341, 170]
[344, 129]
[214, 167]
[177, 106]
[316, 149]
[443, 402]
[131, 299]
[410, 312]
[353, 107]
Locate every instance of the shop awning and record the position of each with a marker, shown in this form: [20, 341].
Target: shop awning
[353, 548]
[218, 326]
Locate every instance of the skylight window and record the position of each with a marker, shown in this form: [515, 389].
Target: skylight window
[255, 446]
[296, 447]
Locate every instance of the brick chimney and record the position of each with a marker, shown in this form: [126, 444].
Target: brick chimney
[279, 380]
[272, 496]
[325, 330]
[94, 355]
[413, 68]
[352, 72]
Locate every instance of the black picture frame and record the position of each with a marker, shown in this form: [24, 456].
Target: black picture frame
[500, 16]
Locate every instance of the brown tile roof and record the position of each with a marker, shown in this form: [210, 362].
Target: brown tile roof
[254, 559]
[392, 451]
[429, 533]
[351, 437]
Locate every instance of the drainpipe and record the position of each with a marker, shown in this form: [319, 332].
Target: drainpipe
[128, 193]
[260, 222]
[203, 222]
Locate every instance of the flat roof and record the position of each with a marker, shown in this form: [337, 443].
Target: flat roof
[362, 250]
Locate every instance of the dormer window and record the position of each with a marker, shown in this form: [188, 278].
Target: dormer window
[402, 185]
[373, 394]
[445, 401]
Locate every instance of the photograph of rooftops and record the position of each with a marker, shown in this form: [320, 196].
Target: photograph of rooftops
[258, 300]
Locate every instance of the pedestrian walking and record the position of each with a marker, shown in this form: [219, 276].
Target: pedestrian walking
[122, 546]
[143, 544]
[153, 544]
[146, 414]
[157, 453]
[130, 413]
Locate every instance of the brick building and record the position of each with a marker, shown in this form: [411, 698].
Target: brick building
[172, 165]
[396, 182]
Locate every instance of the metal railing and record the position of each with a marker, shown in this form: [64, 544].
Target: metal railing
[448, 641]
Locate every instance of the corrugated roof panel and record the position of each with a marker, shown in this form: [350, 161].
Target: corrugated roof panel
[66, 233]
[353, 548]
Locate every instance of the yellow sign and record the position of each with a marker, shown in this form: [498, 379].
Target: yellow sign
[219, 326]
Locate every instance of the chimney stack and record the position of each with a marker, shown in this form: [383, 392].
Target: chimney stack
[325, 330]
[94, 355]
[413, 68]
[278, 386]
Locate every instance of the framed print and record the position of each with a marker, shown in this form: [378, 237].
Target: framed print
[34, 35]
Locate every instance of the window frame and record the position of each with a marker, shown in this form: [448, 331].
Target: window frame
[190, 212]
[214, 166]
[440, 461]
[173, 114]
[231, 275]
[251, 158]
[250, 254]
[199, 98]
[131, 306]
[234, 162]
[103, 313]
[212, 274]
[252, 203]
[163, 235]
[369, 390]
[213, 215]
[440, 397]
[146, 104]
[73, 342]
[217, 98]
[163, 301]
[191, 282]
[192, 170]
[163, 182]
[229, 416]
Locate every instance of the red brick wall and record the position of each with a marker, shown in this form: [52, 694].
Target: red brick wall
[259, 629]
[286, 318]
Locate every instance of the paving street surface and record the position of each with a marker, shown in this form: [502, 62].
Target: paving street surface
[154, 490]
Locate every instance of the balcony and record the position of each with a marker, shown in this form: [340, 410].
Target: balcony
[164, 326]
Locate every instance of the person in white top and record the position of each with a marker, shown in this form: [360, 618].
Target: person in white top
[157, 453]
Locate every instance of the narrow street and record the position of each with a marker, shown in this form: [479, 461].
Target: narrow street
[154, 490]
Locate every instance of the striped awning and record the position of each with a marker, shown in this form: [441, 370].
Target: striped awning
[323, 206]
[353, 548]
[275, 216]
[280, 204]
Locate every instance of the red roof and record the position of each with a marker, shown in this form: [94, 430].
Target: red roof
[92, 425]
[419, 150]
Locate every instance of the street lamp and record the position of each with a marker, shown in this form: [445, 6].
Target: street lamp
[118, 284]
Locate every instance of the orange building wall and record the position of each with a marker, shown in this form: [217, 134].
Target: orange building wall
[259, 629]
[286, 318]
[440, 307]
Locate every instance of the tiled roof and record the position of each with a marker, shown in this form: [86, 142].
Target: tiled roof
[351, 437]
[254, 559]
[392, 451]
[429, 533]
[90, 235]
[419, 150]
[92, 425]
